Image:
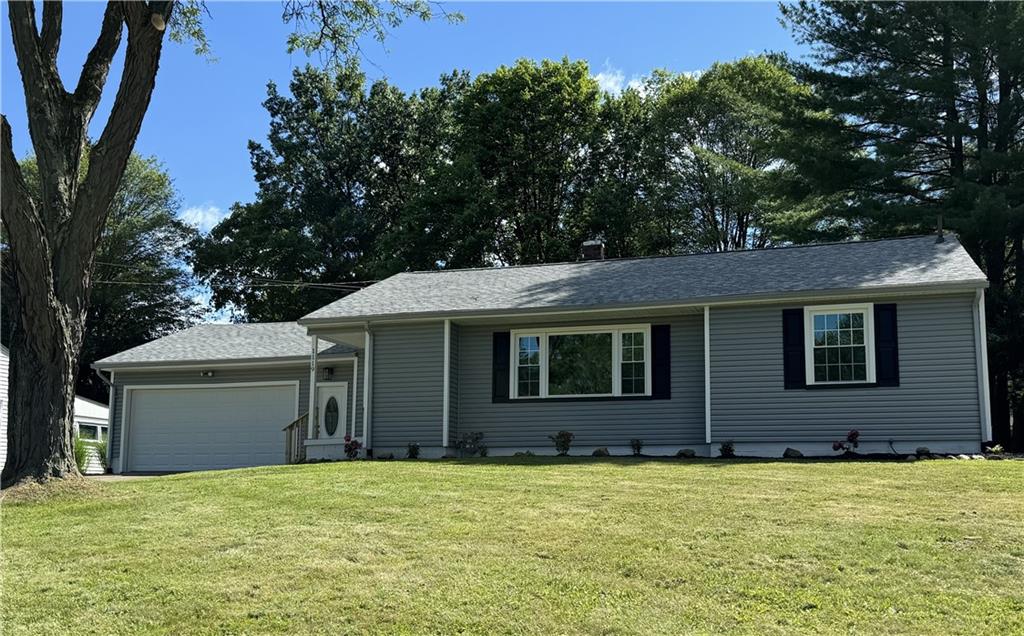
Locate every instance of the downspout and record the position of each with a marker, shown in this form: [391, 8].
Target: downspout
[355, 389]
[110, 414]
[981, 361]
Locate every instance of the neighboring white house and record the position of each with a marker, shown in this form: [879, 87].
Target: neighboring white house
[91, 419]
[91, 424]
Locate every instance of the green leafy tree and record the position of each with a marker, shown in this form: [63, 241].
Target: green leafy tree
[932, 124]
[700, 163]
[524, 145]
[53, 235]
[353, 185]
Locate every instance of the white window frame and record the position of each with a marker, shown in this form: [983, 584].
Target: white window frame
[543, 334]
[868, 309]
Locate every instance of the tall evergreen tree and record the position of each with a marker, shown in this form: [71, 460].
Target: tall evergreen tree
[931, 97]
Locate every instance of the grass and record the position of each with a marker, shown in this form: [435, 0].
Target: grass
[533, 545]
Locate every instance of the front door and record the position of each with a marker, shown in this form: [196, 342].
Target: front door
[332, 398]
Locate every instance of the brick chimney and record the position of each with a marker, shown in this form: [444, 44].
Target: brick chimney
[593, 250]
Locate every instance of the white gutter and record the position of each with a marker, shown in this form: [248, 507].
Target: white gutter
[981, 362]
[343, 322]
[707, 374]
[446, 382]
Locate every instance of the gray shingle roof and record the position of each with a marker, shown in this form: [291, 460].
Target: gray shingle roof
[223, 343]
[860, 265]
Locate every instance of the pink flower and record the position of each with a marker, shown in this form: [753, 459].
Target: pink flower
[348, 438]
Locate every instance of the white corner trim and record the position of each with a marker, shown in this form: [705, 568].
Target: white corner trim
[868, 309]
[311, 417]
[981, 361]
[446, 382]
[707, 374]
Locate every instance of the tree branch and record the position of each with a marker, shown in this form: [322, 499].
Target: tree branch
[53, 14]
[25, 231]
[110, 154]
[97, 63]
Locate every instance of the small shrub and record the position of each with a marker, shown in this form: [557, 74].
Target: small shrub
[386, 458]
[852, 442]
[562, 440]
[922, 451]
[470, 444]
[81, 453]
[101, 450]
[413, 451]
[995, 449]
[727, 449]
[686, 453]
[600, 452]
[352, 447]
[792, 453]
[637, 445]
[523, 454]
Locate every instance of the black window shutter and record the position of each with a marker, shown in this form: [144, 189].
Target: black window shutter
[793, 369]
[887, 353]
[661, 363]
[501, 345]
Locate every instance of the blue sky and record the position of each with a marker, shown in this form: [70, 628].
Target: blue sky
[203, 113]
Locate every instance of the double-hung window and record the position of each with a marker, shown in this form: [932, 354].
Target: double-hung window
[608, 361]
[839, 344]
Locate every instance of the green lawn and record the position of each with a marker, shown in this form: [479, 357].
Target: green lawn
[527, 546]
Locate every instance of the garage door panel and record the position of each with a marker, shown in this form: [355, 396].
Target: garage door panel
[203, 428]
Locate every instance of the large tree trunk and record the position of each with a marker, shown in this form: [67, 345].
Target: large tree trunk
[53, 232]
[43, 377]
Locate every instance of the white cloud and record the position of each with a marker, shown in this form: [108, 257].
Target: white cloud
[611, 80]
[204, 216]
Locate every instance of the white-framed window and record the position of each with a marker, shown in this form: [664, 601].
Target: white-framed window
[598, 361]
[839, 344]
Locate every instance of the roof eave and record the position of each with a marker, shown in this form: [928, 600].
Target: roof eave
[213, 364]
[346, 322]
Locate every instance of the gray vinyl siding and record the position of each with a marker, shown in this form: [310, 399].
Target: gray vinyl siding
[937, 398]
[514, 424]
[408, 380]
[122, 378]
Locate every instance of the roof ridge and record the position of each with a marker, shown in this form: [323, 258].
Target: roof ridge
[667, 256]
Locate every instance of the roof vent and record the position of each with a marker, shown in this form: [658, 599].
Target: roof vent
[593, 250]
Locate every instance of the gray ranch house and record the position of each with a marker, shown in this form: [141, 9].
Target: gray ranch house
[768, 348]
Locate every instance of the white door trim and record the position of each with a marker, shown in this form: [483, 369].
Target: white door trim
[126, 403]
[342, 412]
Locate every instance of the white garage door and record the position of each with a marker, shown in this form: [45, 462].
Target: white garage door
[203, 428]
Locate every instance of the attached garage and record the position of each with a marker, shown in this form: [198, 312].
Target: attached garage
[206, 427]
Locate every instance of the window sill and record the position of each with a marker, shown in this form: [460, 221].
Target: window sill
[598, 398]
[850, 385]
